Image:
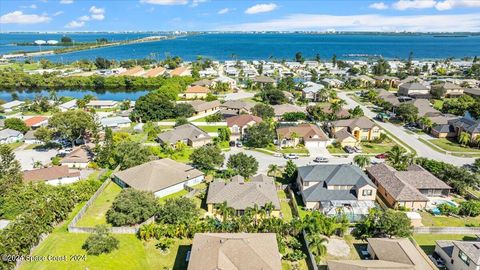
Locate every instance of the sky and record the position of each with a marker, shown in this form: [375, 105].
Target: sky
[240, 15]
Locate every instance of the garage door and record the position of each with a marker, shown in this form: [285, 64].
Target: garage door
[316, 144]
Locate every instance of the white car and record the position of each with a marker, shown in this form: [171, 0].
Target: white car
[290, 156]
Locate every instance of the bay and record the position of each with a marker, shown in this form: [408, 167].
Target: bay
[117, 95]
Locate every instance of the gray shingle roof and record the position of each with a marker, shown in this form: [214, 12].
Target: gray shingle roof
[240, 194]
[183, 132]
[7, 133]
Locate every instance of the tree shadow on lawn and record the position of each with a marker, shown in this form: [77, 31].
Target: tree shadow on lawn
[181, 259]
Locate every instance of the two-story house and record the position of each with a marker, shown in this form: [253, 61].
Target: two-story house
[340, 188]
[239, 125]
[459, 255]
[362, 129]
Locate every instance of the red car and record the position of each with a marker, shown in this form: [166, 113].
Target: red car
[382, 156]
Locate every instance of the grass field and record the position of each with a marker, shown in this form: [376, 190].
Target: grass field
[96, 212]
[453, 146]
[445, 221]
[377, 148]
[210, 128]
[335, 150]
[427, 241]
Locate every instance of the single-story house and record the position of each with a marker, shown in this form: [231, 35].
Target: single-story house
[69, 105]
[241, 195]
[29, 138]
[459, 255]
[205, 107]
[413, 89]
[448, 89]
[332, 83]
[364, 81]
[116, 122]
[235, 251]
[204, 83]
[309, 135]
[187, 133]
[36, 122]
[239, 125]
[223, 79]
[161, 177]
[362, 128]
[236, 107]
[385, 79]
[388, 254]
[10, 106]
[134, 71]
[263, 80]
[10, 136]
[56, 175]
[473, 92]
[78, 158]
[341, 114]
[194, 92]
[310, 92]
[102, 104]
[281, 109]
[330, 188]
[181, 71]
[410, 189]
[155, 72]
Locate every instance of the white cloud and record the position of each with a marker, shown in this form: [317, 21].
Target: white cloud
[84, 18]
[414, 4]
[261, 8]
[165, 2]
[197, 2]
[449, 4]
[378, 5]
[66, 2]
[223, 11]
[32, 6]
[18, 17]
[367, 22]
[97, 13]
[75, 24]
[57, 13]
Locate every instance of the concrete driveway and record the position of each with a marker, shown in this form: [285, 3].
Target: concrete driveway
[409, 139]
[28, 157]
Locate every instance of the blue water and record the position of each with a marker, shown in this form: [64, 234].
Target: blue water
[268, 46]
[104, 95]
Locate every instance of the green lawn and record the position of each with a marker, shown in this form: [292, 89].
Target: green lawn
[377, 148]
[210, 128]
[453, 146]
[96, 212]
[447, 221]
[132, 254]
[180, 156]
[284, 206]
[335, 150]
[15, 145]
[427, 241]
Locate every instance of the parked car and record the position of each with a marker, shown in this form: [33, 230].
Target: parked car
[321, 160]
[382, 156]
[357, 149]
[349, 149]
[277, 155]
[232, 143]
[290, 156]
[239, 144]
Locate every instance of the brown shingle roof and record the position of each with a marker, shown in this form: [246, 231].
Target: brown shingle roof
[235, 251]
[46, 174]
[179, 71]
[242, 120]
[197, 89]
[79, 155]
[133, 71]
[154, 72]
[361, 122]
[241, 195]
[308, 132]
[183, 132]
[157, 175]
[200, 105]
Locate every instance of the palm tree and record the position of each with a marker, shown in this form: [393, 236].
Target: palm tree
[269, 207]
[426, 123]
[147, 231]
[464, 139]
[273, 170]
[337, 105]
[362, 161]
[397, 156]
[317, 246]
[224, 210]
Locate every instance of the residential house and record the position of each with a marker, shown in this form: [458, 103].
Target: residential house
[10, 136]
[78, 158]
[236, 107]
[204, 108]
[473, 92]
[416, 90]
[388, 254]
[388, 97]
[410, 189]
[362, 129]
[456, 126]
[36, 122]
[230, 81]
[263, 80]
[311, 91]
[459, 255]
[155, 72]
[241, 195]
[134, 71]
[56, 175]
[204, 83]
[181, 71]
[161, 177]
[235, 251]
[448, 89]
[12, 105]
[364, 81]
[332, 83]
[116, 122]
[102, 104]
[341, 114]
[194, 92]
[239, 125]
[187, 133]
[281, 109]
[69, 105]
[29, 138]
[330, 188]
[309, 135]
[392, 82]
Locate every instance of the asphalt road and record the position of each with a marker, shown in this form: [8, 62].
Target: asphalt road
[409, 139]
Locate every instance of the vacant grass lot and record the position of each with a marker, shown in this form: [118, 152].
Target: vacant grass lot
[447, 221]
[427, 241]
[453, 146]
[96, 213]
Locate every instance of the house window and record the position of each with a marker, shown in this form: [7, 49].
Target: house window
[367, 192]
[463, 257]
